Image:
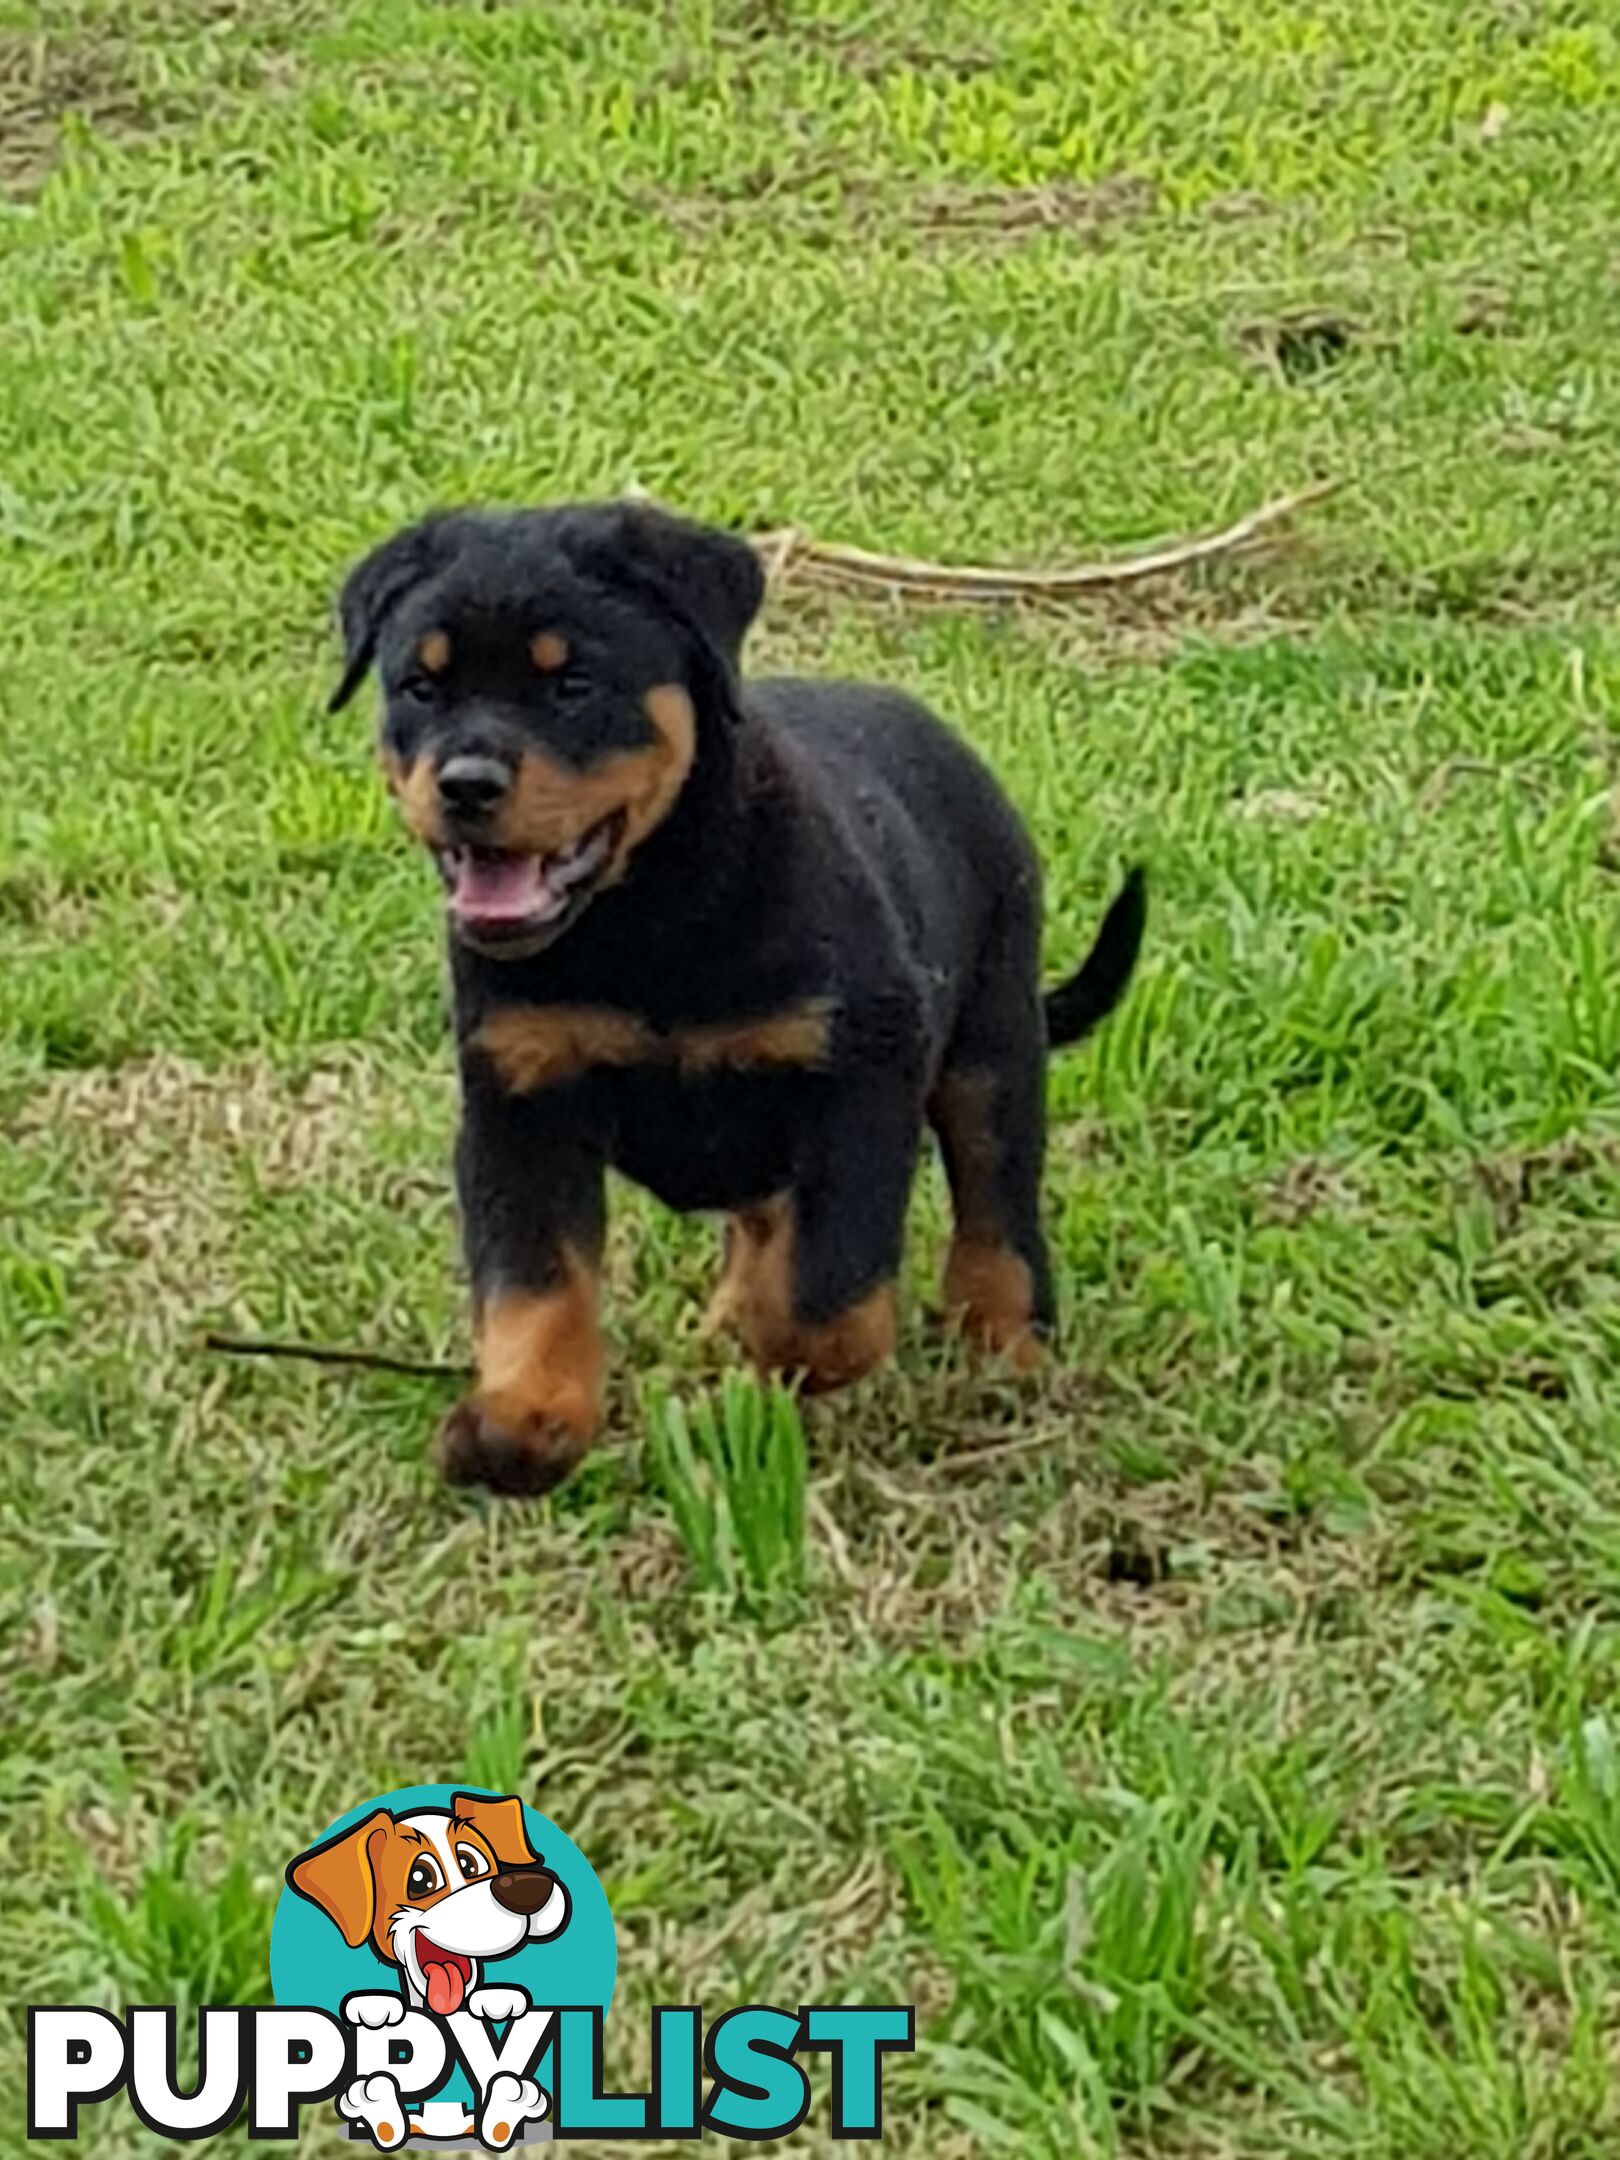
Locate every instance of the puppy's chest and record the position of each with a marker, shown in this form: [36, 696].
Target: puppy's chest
[706, 1113]
[708, 1141]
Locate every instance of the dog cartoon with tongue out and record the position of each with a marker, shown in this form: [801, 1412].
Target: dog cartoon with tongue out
[438, 1894]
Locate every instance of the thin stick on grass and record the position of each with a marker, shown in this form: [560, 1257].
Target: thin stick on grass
[333, 1354]
[789, 553]
[976, 1458]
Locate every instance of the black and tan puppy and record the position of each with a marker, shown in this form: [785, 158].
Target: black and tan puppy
[738, 941]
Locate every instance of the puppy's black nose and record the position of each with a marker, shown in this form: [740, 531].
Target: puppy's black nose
[472, 786]
[523, 1890]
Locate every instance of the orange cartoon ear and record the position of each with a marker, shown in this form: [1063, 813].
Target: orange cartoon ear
[337, 1877]
[500, 1824]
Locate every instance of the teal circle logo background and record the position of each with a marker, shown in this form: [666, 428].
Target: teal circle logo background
[312, 1966]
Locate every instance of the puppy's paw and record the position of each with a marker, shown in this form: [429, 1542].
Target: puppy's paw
[518, 1458]
[373, 2011]
[376, 2102]
[509, 2103]
[1020, 1349]
[496, 2004]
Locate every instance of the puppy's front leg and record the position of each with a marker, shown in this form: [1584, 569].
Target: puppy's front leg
[530, 1182]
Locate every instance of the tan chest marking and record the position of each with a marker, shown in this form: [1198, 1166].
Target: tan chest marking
[543, 1046]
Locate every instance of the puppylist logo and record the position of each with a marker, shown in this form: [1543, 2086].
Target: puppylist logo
[442, 1961]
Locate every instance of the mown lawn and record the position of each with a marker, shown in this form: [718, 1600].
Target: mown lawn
[1218, 1739]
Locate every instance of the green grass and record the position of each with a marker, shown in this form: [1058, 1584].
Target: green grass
[1215, 1739]
[733, 1470]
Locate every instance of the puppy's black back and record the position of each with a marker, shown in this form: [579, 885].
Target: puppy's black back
[917, 805]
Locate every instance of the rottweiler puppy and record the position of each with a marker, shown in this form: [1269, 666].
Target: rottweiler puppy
[740, 941]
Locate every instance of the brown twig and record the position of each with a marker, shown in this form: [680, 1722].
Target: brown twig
[790, 553]
[330, 1354]
[976, 1458]
[1438, 785]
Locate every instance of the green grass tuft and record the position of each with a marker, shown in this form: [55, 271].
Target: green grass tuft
[176, 1939]
[732, 1467]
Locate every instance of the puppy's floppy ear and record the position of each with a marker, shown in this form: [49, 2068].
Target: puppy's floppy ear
[337, 1876]
[500, 1824]
[375, 587]
[713, 580]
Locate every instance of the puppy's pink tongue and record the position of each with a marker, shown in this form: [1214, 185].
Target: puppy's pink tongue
[502, 888]
[445, 1988]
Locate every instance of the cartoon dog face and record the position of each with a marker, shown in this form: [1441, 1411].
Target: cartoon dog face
[436, 1892]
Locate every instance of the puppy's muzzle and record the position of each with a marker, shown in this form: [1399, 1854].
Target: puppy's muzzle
[473, 788]
[523, 1890]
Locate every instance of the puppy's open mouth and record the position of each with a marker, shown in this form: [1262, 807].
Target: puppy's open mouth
[501, 900]
[446, 1975]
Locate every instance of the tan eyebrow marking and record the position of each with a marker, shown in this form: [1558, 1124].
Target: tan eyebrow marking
[434, 652]
[548, 649]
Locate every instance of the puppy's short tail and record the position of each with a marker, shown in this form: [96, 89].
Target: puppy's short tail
[1074, 1008]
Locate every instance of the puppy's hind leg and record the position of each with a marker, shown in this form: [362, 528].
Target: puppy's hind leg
[988, 1110]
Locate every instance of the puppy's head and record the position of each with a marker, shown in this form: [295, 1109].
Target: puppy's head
[435, 1892]
[546, 675]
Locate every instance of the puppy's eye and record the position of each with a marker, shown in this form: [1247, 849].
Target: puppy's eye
[473, 1863]
[424, 1878]
[416, 689]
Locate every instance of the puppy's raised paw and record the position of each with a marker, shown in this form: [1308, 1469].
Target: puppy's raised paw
[496, 2004]
[517, 1458]
[374, 2011]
